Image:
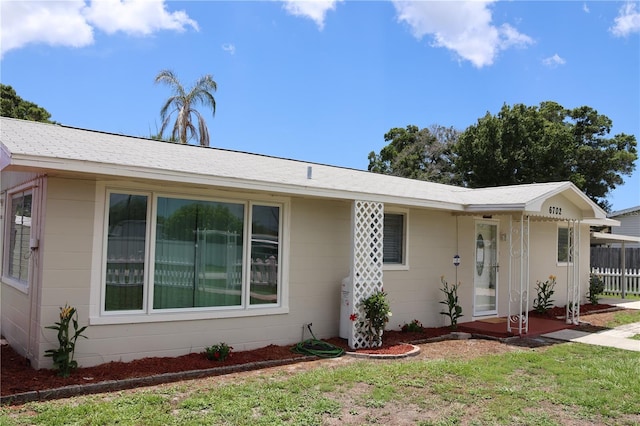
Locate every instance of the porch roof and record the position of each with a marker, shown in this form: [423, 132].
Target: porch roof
[605, 238]
[54, 149]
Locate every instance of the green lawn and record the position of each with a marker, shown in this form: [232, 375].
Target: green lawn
[624, 317]
[566, 383]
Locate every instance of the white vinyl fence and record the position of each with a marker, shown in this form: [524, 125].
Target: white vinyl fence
[613, 283]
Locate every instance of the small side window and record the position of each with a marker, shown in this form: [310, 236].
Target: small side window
[565, 241]
[394, 239]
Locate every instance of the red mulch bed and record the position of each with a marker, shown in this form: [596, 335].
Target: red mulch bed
[17, 376]
[560, 311]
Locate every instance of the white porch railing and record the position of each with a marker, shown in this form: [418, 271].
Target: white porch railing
[613, 283]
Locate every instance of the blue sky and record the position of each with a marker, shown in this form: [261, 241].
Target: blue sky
[324, 81]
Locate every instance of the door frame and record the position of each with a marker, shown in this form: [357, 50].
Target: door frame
[478, 269]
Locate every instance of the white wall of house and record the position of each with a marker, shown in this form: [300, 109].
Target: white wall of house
[317, 244]
[15, 318]
[319, 251]
[414, 291]
[15, 300]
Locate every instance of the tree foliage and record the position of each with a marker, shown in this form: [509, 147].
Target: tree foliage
[14, 106]
[183, 103]
[524, 144]
[424, 154]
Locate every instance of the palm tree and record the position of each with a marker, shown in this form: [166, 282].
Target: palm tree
[183, 103]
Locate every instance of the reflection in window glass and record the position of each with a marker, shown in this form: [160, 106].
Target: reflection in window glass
[126, 244]
[265, 229]
[198, 256]
[20, 236]
[565, 236]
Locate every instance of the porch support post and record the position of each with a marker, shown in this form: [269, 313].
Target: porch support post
[573, 273]
[518, 311]
[367, 220]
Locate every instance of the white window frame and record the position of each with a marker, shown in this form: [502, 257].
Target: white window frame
[404, 265]
[18, 284]
[148, 314]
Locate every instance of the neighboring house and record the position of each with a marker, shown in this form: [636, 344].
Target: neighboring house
[629, 224]
[165, 249]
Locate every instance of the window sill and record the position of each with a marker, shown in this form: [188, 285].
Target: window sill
[20, 286]
[135, 318]
[395, 267]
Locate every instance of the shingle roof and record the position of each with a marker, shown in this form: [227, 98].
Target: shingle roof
[38, 146]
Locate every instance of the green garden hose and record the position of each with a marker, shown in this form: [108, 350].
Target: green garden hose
[317, 347]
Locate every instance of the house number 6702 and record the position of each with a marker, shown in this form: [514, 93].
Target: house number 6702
[555, 210]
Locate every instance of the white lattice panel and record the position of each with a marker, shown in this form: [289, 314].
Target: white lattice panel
[367, 234]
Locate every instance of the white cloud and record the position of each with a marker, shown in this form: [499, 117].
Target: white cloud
[585, 8]
[316, 10]
[627, 21]
[553, 61]
[137, 17]
[53, 23]
[463, 27]
[72, 22]
[229, 47]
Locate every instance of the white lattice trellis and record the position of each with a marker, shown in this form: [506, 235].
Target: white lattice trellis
[519, 276]
[366, 261]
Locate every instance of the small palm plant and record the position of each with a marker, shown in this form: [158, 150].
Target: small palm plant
[63, 356]
[454, 310]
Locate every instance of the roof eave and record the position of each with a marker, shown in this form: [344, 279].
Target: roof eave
[136, 172]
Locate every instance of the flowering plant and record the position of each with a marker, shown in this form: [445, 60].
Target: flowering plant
[412, 327]
[545, 289]
[63, 356]
[218, 352]
[376, 314]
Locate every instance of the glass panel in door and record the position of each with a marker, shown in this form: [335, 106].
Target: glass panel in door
[485, 269]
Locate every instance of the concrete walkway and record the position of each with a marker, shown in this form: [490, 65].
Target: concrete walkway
[618, 337]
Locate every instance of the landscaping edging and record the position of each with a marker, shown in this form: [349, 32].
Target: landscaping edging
[413, 352]
[117, 385]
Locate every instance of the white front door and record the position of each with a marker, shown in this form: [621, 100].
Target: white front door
[485, 269]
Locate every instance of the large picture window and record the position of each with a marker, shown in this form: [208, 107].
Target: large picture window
[181, 253]
[19, 252]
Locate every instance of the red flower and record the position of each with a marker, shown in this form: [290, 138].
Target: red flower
[353, 317]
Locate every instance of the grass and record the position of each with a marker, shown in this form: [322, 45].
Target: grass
[624, 317]
[566, 383]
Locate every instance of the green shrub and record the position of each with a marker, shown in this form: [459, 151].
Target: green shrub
[376, 315]
[218, 352]
[413, 327]
[596, 288]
